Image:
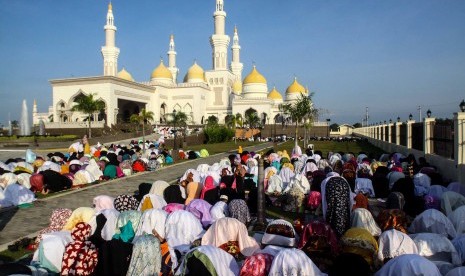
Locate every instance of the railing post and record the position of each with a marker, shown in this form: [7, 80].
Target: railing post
[428, 135]
[409, 133]
[459, 145]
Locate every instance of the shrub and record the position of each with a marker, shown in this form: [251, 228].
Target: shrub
[218, 134]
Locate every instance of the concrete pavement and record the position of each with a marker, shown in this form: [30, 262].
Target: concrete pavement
[16, 223]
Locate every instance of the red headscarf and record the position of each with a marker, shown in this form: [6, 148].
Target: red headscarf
[37, 182]
[208, 185]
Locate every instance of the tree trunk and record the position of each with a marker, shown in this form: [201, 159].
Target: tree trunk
[261, 220]
[90, 128]
[296, 132]
[143, 137]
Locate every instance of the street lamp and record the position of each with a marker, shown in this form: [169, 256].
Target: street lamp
[390, 121]
[328, 120]
[410, 117]
[428, 113]
[174, 128]
[398, 119]
[462, 106]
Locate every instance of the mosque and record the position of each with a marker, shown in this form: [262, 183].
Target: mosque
[220, 91]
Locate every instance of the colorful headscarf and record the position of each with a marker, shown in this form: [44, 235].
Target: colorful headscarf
[58, 219]
[360, 241]
[393, 219]
[318, 229]
[208, 185]
[80, 257]
[238, 209]
[125, 203]
[257, 265]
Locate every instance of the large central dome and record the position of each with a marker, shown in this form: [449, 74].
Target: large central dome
[195, 74]
[254, 77]
[161, 72]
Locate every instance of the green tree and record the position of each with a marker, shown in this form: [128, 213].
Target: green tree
[251, 118]
[88, 105]
[212, 120]
[334, 127]
[178, 119]
[14, 124]
[300, 110]
[357, 125]
[143, 117]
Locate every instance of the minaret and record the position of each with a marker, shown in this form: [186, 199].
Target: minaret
[172, 60]
[219, 41]
[110, 52]
[236, 65]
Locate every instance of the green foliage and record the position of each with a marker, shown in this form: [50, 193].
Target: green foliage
[218, 134]
[88, 105]
[334, 127]
[178, 119]
[357, 125]
[212, 120]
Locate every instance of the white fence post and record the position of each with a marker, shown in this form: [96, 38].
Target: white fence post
[428, 135]
[459, 145]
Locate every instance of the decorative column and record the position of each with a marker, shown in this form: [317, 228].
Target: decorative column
[398, 125]
[428, 134]
[389, 132]
[459, 145]
[409, 133]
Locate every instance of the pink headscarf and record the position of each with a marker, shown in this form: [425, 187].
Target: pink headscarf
[103, 202]
[208, 185]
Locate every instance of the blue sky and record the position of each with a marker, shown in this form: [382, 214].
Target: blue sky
[390, 56]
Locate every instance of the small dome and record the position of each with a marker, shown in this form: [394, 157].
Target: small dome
[296, 87]
[195, 74]
[275, 95]
[161, 72]
[254, 77]
[237, 87]
[123, 74]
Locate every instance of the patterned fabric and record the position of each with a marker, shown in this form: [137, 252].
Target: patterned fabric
[393, 219]
[281, 233]
[238, 209]
[80, 257]
[360, 241]
[257, 265]
[312, 233]
[232, 247]
[58, 219]
[338, 204]
[126, 203]
[146, 256]
[314, 200]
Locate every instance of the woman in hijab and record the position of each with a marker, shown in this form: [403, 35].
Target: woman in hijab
[231, 235]
[158, 187]
[208, 260]
[81, 214]
[238, 209]
[395, 200]
[103, 202]
[58, 219]
[80, 257]
[360, 241]
[201, 210]
[338, 204]
[175, 194]
[393, 243]
[125, 203]
[210, 192]
[433, 221]
[320, 244]
[193, 190]
[258, 264]
[293, 262]
[146, 256]
[55, 182]
[362, 218]
[409, 264]
[144, 188]
[413, 206]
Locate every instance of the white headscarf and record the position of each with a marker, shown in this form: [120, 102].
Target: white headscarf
[275, 185]
[293, 262]
[393, 243]
[51, 250]
[152, 219]
[437, 247]
[195, 177]
[365, 186]
[158, 202]
[409, 264]
[23, 179]
[94, 169]
[224, 263]
[158, 187]
[110, 225]
[16, 194]
[433, 221]
[451, 201]
[457, 217]
[422, 183]
[362, 218]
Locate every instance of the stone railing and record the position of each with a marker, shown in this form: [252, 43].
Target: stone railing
[52, 125]
[408, 138]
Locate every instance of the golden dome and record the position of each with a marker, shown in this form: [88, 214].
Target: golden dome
[296, 87]
[237, 87]
[161, 72]
[275, 95]
[123, 74]
[254, 77]
[195, 72]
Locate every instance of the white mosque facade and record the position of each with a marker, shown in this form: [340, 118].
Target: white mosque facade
[220, 91]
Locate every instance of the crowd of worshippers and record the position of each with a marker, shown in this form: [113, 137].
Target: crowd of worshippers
[201, 225]
[83, 164]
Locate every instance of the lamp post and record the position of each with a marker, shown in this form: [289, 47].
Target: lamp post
[328, 121]
[174, 130]
[428, 113]
[410, 117]
[462, 106]
[398, 119]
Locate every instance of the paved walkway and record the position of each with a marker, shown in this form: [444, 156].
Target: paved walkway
[16, 223]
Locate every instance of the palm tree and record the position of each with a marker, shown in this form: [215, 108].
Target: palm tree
[177, 119]
[143, 117]
[251, 118]
[88, 105]
[300, 110]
